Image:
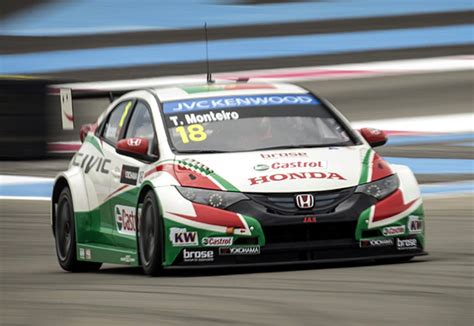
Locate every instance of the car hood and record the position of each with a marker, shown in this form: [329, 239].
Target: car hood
[279, 171]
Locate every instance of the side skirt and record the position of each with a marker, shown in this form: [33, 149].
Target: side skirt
[101, 253]
[316, 262]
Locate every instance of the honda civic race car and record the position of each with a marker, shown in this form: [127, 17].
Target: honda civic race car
[231, 174]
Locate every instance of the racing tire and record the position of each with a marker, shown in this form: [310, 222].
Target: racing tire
[65, 237]
[150, 236]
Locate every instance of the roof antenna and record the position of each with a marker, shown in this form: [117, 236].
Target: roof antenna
[209, 75]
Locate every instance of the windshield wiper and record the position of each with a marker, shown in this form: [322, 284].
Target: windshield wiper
[201, 151]
[304, 146]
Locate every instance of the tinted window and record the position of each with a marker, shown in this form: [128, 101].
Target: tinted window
[116, 121]
[141, 125]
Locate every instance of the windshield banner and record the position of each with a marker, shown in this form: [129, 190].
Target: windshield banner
[237, 101]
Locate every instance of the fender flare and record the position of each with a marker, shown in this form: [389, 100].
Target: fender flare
[408, 184]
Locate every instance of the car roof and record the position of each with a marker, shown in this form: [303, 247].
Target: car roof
[192, 91]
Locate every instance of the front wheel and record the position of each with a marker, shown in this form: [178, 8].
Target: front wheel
[65, 236]
[150, 236]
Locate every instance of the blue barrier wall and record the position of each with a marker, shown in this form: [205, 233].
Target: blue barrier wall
[92, 16]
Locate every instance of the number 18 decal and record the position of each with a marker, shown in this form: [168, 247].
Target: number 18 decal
[193, 133]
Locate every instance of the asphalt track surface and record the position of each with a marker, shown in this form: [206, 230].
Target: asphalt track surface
[431, 290]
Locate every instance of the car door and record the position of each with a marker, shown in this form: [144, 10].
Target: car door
[126, 173]
[109, 133]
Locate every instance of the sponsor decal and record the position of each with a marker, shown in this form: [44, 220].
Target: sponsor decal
[200, 118]
[255, 250]
[415, 224]
[90, 162]
[181, 237]
[299, 164]
[125, 219]
[305, 201]
[198, 255]
[261, 167]
[217, 241]
[295, 176]
[237, 102]
[127, 259]
[407, 244]
[283, 155]
[371, 243]
[310, 219]
[393, 230]
[291, 165]
[129, 175]
[88, 254]
[82, 253]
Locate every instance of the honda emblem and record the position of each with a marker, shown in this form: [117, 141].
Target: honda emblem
[134, 142]
[305, 201]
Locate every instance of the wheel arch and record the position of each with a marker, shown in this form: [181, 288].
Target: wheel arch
[77, 187]
[143, 191]
[408, 183]
[147, 187]
[60, 183]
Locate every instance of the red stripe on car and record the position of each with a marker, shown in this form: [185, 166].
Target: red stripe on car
[213, 216]
[390, 206]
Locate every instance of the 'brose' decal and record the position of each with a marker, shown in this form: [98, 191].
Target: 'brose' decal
[198, 255]
[406, 244]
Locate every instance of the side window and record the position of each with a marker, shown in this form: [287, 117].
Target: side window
[116, 121]
[141, 125]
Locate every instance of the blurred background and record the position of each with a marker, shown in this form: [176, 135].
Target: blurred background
[405, 67]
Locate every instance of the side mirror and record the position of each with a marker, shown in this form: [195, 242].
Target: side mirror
[374, 137]
[134, 147]
[85, 130]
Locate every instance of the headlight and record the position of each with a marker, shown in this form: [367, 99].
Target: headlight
[380, 188]
[217, 199]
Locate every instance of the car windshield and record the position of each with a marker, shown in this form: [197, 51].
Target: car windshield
[253, 122]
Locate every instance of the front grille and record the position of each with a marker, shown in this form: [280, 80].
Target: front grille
[309, 232]
[284, 204]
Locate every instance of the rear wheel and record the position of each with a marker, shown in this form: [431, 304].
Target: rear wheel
[65, 236]
[150, 236]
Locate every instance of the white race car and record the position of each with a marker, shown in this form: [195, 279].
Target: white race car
[231, 174]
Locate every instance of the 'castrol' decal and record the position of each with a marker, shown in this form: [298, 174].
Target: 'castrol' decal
[299, 164]
[125, 219]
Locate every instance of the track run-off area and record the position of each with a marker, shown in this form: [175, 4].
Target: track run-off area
[432, 290]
